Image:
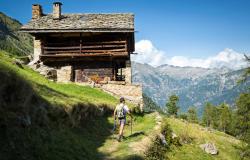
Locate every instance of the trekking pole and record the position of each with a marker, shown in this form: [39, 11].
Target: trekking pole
[131, 124]
[114, 128]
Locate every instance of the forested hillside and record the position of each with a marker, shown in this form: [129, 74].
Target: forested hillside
[194, 86]
[11, 40]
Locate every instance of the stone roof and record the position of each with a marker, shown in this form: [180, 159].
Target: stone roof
[115, 22]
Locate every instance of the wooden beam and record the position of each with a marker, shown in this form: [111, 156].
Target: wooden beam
[86, 55]
[88, 43]
[71, 47]
[106, 42]
[84, 51]
[78, 47]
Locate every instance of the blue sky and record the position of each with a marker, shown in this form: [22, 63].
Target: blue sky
[189, 28]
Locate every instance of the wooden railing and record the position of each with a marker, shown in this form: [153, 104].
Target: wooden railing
[86, 48]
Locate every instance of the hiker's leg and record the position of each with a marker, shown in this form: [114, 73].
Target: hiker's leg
[121, 129]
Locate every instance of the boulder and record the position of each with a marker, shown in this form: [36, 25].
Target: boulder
[162, 139]
[209, 148]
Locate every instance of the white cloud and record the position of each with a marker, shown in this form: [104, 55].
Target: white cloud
[149, 54]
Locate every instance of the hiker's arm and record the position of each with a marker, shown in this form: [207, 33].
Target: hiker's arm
[129, 113]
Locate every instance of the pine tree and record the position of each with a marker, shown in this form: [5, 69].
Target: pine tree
[243, 114]
[183, 116]
[192, 115]
[207, 115]
[171, 105]
[243, 125]
[214, 117]
[225, 117]
[233, 124]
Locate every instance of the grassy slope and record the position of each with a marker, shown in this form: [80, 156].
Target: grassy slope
[92, 139]
[129, 147]
[64, 94]
[23, 92]
[12, 41]
[227, 145]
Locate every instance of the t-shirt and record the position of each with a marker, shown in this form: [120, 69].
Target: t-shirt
[125, 108]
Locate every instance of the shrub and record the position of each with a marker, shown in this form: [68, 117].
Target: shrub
[156, 151]
[183, 116]
[159, 150]
[185, 136]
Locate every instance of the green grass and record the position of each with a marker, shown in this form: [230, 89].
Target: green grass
[60, 94]
[66, 124]
[227, 145]
[65, 119]
[143, 126]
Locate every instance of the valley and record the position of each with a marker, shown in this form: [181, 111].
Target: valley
[195, 86]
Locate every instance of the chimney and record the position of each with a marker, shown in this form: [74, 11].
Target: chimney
[57, 10]
[37, 11]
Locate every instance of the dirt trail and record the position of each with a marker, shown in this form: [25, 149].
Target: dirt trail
[132, 145]
[140, 147]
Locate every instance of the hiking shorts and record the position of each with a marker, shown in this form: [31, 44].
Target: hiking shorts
[122, 121]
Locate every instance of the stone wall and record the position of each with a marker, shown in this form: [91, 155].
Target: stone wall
[37, 49]
[132, 93]
[65, 74]
[128, 72]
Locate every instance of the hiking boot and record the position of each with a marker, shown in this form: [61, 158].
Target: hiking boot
[119, 138]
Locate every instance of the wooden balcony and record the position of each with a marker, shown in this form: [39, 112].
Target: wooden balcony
[85, 49]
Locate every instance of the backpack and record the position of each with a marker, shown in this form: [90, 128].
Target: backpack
[120, 111]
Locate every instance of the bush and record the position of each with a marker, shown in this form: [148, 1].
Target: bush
[136, 110]
[185, 136]
[183, 116]
[167, 132]
[159, 150]
[156, 151]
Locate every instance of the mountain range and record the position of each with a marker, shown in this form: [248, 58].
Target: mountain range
[195, 86]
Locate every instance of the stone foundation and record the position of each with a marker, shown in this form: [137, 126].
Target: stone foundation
[64, 74]
[132, 93]
[128, 72]
[37, 49]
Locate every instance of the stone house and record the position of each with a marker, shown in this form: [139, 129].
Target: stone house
[86, 48]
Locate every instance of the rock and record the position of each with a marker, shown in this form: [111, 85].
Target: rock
[92, 84]
[18, 63]
[51, 74]
[162, 138]
[174, 135]
[33, 63]
[209, 148]
[48, 72]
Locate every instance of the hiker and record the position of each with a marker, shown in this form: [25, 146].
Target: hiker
[120, 112]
